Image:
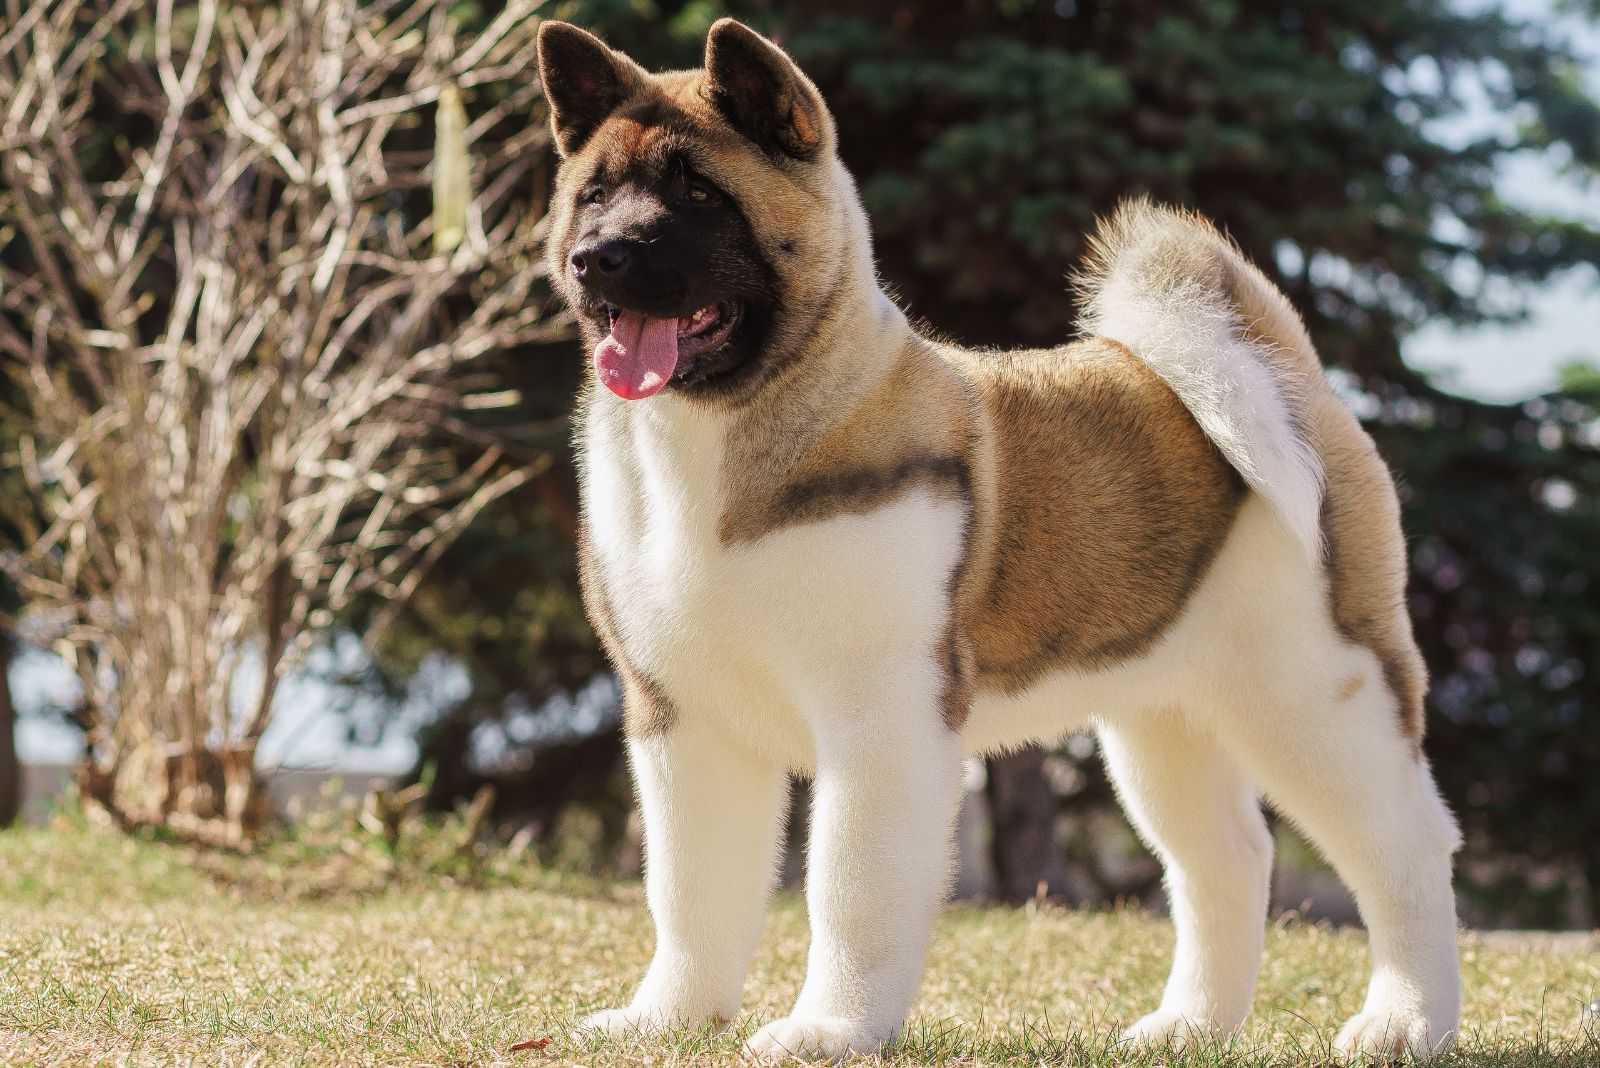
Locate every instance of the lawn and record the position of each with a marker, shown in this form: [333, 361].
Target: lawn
[139, 952]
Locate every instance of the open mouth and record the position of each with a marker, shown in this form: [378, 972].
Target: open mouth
[701, 332]
[642, 353]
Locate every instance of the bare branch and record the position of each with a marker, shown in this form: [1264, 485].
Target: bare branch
[244, 361]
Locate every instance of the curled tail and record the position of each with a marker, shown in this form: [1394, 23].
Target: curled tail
[1166, 284]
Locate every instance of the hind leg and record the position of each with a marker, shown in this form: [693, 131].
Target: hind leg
[1197, 810]
[1335, 760]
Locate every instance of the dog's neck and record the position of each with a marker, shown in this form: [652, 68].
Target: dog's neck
[854, 339]
[871, 329]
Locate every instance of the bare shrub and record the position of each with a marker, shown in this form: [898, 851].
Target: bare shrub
[241, 319]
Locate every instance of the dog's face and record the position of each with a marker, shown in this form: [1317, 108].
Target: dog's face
[694, 225]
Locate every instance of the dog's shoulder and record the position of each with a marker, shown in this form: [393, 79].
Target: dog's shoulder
[916, 427]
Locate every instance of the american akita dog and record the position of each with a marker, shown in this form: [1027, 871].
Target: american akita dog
[817, 540]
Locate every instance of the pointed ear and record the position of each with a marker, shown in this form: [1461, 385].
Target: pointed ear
[763, 94]
[584, 82]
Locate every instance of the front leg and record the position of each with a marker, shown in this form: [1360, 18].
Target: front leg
[712, 816]
[888, 784]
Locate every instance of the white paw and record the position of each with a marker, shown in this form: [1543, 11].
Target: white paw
[1169, 1030]
[1384, 1035]
[645, 1020]
[620, 1023]
[809, 1038]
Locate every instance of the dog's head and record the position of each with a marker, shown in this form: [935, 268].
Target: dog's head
[696, 225]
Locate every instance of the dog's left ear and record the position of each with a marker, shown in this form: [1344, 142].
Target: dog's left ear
[758, 88]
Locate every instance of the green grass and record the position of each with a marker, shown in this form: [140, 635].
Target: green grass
[137, 952]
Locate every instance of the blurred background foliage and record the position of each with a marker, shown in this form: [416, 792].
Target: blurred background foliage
[1336, 142]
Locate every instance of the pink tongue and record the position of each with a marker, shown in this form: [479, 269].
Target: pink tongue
[638, 356]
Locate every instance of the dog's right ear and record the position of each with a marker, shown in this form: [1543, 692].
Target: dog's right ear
[584, 82]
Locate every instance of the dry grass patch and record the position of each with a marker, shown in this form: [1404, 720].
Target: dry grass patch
[115, 951]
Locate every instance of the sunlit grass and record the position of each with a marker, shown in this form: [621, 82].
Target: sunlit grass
[122, 952]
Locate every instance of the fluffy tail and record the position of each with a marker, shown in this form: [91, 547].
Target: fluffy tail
[1187, 302]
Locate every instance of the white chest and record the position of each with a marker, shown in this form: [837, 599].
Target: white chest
[652, 502]
[758, 632]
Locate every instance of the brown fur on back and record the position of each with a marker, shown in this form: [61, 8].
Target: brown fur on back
[1111, 506]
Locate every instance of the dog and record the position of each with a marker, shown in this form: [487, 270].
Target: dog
[815, 540]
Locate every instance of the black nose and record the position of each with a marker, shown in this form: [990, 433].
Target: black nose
[610, 259]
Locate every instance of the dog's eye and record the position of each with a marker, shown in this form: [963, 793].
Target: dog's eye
[595, 194]
[698, 193]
